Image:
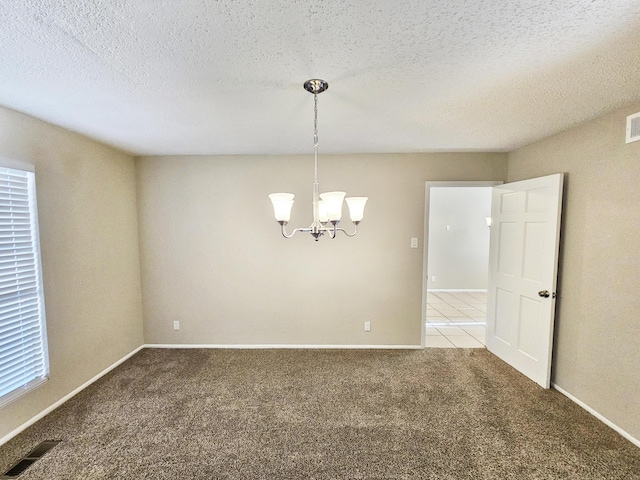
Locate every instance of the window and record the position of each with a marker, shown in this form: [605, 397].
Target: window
[24, 360]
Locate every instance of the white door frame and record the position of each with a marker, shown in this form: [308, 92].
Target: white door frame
[425, 236]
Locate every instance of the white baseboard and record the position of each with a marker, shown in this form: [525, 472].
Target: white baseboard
[289, 346]
[51, 408]
[603, 419]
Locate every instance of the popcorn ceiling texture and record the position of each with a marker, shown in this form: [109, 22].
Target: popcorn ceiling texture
[198, 77]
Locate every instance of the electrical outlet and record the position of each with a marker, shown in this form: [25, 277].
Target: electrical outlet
[367, 326]
[414, 242]
[176, 325]
[433, 278]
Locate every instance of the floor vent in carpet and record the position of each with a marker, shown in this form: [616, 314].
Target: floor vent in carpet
[19, 468]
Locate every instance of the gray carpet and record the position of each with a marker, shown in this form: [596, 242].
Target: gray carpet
[322, 414]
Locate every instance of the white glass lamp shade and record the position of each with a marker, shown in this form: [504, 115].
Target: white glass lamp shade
[282, 203]
[323, 215]
[356, 207]
[333, 204]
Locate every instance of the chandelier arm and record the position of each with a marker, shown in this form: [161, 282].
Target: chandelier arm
[293, 232]
[355, 230]
[284, 232]
[331, 231]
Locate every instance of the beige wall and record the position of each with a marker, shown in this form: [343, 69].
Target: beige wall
[90, 261]
[213, 258]
[597, 349]
[459, 256]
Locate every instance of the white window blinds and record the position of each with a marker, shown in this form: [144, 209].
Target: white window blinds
[23, 346]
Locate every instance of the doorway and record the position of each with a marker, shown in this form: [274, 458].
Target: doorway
[455, 270]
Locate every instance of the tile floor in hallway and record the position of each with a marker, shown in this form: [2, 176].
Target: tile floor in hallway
[456, 319]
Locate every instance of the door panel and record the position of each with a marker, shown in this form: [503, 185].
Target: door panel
[502, 329]
[528, 338]
[508, 248]
[523, 261]
[532, 268]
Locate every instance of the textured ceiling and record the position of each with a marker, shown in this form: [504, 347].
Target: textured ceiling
[225, 77]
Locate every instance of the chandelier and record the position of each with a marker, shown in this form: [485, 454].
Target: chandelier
[327, 207]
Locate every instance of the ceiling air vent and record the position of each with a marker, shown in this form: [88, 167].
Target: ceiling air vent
[633, 127]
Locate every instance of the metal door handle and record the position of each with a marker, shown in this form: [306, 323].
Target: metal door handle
[544, 293]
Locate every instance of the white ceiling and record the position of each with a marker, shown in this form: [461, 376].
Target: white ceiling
[225, 77]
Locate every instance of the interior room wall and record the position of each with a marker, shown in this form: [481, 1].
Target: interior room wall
[459, 254]
[90, 257]
[212, 256]
[596, 355]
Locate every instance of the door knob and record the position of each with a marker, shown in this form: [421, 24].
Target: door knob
[544, 293]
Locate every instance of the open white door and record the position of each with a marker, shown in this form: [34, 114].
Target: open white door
[523, 265]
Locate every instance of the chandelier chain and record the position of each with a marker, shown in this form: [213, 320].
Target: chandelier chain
[315, 137]
[315, 120]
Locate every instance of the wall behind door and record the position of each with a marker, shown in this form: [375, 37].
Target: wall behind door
[596, 354]
[458, 238]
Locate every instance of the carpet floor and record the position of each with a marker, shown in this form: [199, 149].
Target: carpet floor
[321, 414]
